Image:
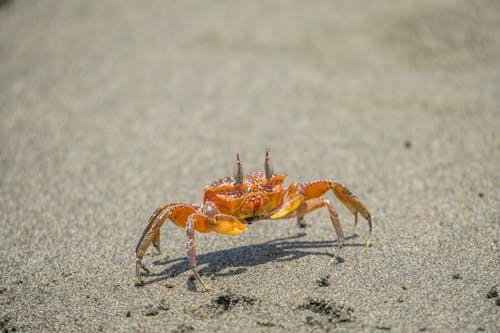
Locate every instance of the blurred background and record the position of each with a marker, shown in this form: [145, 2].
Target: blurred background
[109, 109]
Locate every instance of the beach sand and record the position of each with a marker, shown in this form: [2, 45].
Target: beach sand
[109, 109]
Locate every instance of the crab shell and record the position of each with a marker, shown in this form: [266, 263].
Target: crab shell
[250, 200]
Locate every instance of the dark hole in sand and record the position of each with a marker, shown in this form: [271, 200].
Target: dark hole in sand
[324, 281]
[223, 303]
[228, 301]
[336, 313]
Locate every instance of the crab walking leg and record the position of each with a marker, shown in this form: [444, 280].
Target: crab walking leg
[156, 244]
[310, 205]
[191, 252]
[348, 199]
[355, 223]
[177, 212]
[351, 201]
[300, 222]
[153, 229]
[151, 220]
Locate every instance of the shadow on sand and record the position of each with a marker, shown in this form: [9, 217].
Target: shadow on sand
[235, 261]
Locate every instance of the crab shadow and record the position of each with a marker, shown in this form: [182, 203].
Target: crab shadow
[237, 260]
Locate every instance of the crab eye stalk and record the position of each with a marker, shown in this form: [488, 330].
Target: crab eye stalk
[268, 165]
[238, 170]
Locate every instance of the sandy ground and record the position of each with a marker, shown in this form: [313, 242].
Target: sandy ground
[109, 109]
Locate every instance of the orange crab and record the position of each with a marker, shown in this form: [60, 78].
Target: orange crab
[231, 202]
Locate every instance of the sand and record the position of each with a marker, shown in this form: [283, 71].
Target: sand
[110, 109]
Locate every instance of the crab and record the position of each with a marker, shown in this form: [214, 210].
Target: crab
[231, 203]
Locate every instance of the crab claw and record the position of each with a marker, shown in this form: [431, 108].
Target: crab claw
[227, 225]
[288, 207]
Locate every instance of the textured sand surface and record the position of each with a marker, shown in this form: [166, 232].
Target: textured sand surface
[108, 109]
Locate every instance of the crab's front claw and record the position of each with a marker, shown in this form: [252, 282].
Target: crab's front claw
[288, 207]
[227, 225]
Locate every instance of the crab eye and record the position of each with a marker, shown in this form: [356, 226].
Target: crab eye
[268, 165]
[238, 170]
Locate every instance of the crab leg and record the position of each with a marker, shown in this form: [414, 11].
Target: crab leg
[310, 205]
[300, 222]
[177, 213]
[351, 201]
[348, 199]
[191, 252]
[151, 221]
[150, 234]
